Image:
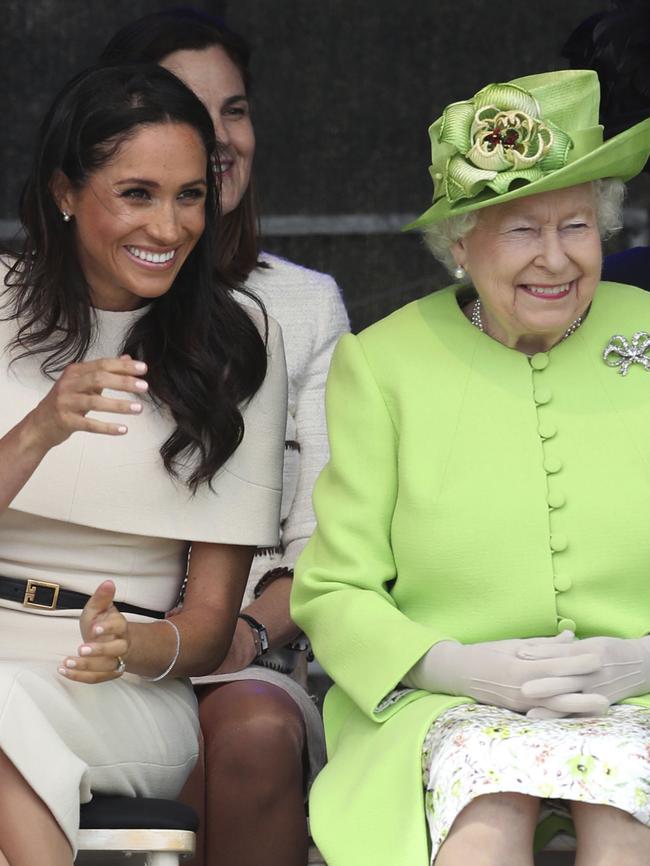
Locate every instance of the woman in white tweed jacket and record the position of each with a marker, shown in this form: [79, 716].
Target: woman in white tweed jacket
[263, 735]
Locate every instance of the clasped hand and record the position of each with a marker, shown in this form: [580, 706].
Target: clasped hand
[543, 677]
[623, 672]
[106, 640]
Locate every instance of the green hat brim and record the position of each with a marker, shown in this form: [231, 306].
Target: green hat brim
[622, 157]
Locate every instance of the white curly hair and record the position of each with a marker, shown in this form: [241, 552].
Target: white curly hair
[440, 236]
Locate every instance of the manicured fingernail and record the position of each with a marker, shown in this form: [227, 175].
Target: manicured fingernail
[140, 366]
[141, 385]
[122, 428]
[70, 663]
[136, 407]
[85, 650]
[63, 672]
[99, 629]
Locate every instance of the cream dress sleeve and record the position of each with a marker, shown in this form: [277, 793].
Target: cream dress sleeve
[116, 483]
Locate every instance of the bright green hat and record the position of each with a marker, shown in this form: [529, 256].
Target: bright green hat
[527, 136]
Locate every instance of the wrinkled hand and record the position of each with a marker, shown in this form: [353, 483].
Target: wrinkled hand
[623, 672]
[495, 672]
[105, 632]
[242, 652]
[79, 390]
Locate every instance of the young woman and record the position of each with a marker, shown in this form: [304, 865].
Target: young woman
[142, 414]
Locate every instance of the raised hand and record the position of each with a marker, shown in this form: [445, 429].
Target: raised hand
[105, 632]
[495, 672]
[623, 672]
[79, 390]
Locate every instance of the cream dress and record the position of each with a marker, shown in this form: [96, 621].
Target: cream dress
[100, 507]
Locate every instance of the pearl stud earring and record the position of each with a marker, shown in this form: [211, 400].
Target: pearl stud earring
[459, 272]
[66, 216]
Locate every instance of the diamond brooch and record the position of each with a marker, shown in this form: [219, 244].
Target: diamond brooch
[621, 353]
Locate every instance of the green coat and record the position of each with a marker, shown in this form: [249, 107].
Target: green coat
[472, 494]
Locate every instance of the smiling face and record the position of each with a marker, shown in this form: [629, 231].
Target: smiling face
[137, 218]
[535, 263]
[218, 83]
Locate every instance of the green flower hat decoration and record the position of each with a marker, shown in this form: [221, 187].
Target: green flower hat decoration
[493, 139]
[526, 136]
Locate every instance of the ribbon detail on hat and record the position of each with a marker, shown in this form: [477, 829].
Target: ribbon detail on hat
[493, 139]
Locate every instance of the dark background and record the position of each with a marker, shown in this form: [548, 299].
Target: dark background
[344, 91]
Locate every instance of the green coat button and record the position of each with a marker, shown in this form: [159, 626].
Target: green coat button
[559, 542]
[562, 582]
[552, 464]
[566, 625]
[547, 429]
[539, 361]
[555, 498]
[542, 395]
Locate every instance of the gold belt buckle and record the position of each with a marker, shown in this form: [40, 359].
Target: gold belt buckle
[30, 594]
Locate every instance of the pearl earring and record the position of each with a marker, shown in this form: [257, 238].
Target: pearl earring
[66, 216]
[459, 272]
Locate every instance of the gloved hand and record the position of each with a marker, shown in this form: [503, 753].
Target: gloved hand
[624, 672]
[494, 672]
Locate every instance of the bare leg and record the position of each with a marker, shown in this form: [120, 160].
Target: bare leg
[28, 832]
[606, 836]
[493, 830]
[254, 744]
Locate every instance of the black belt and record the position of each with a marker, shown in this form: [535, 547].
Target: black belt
[42, 595]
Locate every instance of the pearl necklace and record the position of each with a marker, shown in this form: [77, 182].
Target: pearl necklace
[478, 322]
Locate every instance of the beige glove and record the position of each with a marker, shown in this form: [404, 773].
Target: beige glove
[494, 673]
[624, 672]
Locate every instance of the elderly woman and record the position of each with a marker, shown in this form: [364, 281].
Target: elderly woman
[477, 584]
[143, 414]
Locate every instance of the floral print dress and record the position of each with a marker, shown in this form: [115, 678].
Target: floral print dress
[474, 749]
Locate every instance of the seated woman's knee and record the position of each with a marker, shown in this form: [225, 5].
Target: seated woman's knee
[599, 824]
[247, 724]
[493, 828]
[516, 807]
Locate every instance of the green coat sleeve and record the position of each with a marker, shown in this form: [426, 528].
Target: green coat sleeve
[341, 595]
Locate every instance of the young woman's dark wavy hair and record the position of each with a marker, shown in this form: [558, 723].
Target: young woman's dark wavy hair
[151, 39]
[205, 355]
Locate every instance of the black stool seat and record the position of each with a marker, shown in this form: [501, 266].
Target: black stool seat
[137, 813]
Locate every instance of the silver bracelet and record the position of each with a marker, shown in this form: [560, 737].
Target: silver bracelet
[169, 667]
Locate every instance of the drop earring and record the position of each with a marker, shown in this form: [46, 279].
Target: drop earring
[66, 216]
[459, 272]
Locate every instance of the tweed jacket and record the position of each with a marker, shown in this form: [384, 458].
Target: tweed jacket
[475, 494]
[309, 308]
